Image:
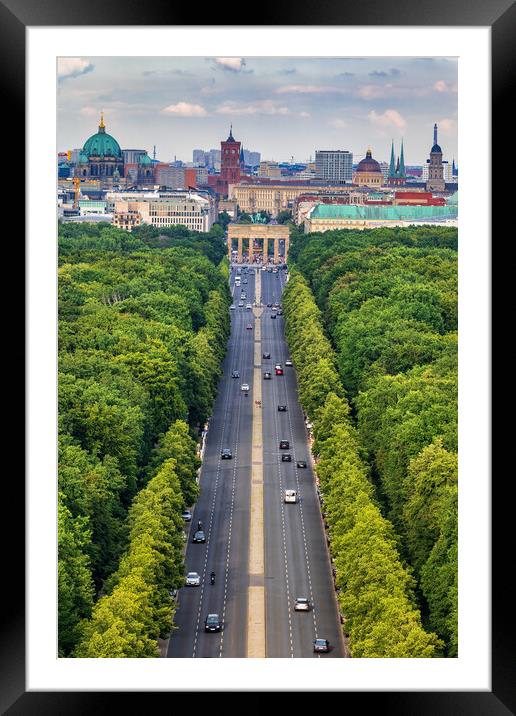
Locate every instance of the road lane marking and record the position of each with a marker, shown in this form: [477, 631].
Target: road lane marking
[256, 592]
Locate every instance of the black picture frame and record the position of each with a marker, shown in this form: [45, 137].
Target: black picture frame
[500, 16]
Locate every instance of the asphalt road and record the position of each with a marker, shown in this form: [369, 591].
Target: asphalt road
[296, 558]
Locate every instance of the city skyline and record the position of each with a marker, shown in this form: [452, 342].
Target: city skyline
[280, 107]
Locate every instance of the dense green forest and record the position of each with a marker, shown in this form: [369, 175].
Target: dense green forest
[143, 326]
[371, 320]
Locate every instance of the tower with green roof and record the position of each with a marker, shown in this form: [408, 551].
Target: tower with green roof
[397, 175]
[100, 156]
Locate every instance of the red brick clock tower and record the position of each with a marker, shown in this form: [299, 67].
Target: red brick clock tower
[230, 160]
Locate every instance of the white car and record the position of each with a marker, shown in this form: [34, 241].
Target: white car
[288, 362]
[192, 579]
[302, 604]
[248, 305]
[290, 496]
[232, 307]
[245, 386]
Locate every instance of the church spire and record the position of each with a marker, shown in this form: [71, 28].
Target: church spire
[391, 165]
[402, 161]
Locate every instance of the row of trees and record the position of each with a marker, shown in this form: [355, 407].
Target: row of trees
[389, 300]
[389, 303]
[142, 333]
[376, 590]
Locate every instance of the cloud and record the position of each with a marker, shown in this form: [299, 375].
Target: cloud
[393, 72]
[345, 74]
[374, 91]
[185, 109]
[337, 123]
[304, 114]
[231, 64]
[309, 89]
[448, 126]
[89, 111]
[390, 118]
[72, 67]
[442, 86]
[266, 106]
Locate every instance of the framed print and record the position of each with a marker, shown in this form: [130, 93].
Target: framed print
[199, 490]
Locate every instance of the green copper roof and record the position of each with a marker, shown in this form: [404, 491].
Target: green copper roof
[102, 144]
[145, 159]
[379, 213]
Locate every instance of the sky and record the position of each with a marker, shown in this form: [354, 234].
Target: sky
[282, 107]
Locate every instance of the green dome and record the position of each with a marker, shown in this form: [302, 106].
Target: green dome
[145, 159]
[102, 144]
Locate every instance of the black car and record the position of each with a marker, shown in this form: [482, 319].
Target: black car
[273, 315]
[321, 645]
[226, 454]
[269, 305]
[301, 463]
[212, 623]
[266, 355]
[284, 444]
[199, 537]
[267, 375]
[235, 374]
[286, 457]
[282, 408]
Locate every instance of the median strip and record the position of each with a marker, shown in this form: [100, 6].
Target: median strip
[256, 590]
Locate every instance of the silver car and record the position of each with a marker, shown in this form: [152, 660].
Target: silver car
[192, 579]
[302, 604]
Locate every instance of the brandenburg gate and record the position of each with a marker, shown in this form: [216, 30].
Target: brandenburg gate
[258, 232]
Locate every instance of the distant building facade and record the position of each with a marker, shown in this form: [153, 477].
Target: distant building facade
[368, 172]
[335, 166]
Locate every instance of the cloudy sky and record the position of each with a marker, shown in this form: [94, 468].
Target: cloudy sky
[281, 107]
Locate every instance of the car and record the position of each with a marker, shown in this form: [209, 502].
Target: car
[192, 579]
[249, 306]
[199, 537]
[241, 304]
[245, 281]
[290, 496]
[266, 355]
[284, 445]
[276, 305]
[279, 312]
[301, 463]
[212, 623]
[266, 375]
[302, 604]
[269, 270]
[235, 374]
[288, 362]
[269, 305]
[245, 387]
[286, 457]
[249, 327]
[278, 370]
[282, 408]
[226, 454]
[232, 307]
[321, 645]
[186, 515]
[273, 315]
